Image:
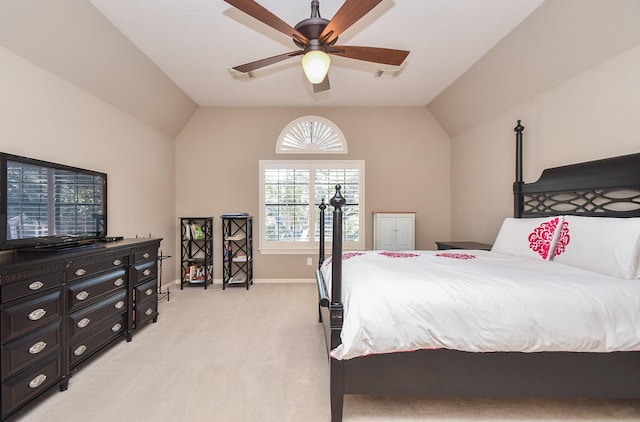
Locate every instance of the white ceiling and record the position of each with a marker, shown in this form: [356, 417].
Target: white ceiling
[196, 42]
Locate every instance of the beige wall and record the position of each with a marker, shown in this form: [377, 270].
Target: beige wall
[558, 41]
[593, 115]
[75, 41]
[42, 116]
[407, 169]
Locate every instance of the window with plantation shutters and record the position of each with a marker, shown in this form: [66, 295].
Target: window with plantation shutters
[290, 193]
[311, 135]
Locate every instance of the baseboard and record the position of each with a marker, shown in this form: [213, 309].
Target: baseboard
[282, 280]
[263, 281]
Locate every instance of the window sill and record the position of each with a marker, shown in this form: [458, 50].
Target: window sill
[303, 251]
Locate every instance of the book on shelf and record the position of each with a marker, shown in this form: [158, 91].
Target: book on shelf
[240, 258]
[235, 215]
[193, 232]
[198, 233]
[198, 273]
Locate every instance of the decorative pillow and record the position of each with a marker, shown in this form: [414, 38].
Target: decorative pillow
[531, 237]
[605, 245]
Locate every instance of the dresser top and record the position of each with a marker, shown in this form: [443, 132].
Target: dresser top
[12, 261]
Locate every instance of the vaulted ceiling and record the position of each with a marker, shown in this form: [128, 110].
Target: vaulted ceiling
[196, 42]
[161, 60]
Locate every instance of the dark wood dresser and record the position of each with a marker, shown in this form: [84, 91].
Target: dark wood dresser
[61, 308]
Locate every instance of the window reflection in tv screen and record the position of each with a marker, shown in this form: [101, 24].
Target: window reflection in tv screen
[52, 202]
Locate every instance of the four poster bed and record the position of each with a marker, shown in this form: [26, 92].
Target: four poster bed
[543, 300]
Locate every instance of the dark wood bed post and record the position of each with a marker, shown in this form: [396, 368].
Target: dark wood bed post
[517, 185]
[336, 308]
[322, 299]
[322, 207]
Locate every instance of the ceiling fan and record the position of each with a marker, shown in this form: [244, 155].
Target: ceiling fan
[317, 39]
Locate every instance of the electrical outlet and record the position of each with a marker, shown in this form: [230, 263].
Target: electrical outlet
[309, 260]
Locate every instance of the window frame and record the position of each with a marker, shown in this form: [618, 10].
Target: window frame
[311, 245]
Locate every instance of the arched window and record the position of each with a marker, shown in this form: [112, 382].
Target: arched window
[311, 135]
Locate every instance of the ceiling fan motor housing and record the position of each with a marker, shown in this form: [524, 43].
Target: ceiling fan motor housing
[312, 28]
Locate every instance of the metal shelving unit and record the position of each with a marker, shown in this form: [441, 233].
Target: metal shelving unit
[196, 252]
[237, 250]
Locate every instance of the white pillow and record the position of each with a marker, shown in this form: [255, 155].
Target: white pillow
[530, 237]
[605, 245]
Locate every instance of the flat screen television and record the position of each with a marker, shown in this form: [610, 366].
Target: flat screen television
[45, 205]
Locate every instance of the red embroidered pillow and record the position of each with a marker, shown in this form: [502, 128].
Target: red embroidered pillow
[532, 237]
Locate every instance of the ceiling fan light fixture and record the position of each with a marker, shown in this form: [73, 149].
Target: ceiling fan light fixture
[315, 64]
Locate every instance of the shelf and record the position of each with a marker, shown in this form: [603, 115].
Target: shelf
[236, 237]
[194, 281]
[238, 278]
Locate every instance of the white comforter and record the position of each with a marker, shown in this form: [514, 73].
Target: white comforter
[487, 302]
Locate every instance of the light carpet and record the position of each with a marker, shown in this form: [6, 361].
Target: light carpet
[258, 355]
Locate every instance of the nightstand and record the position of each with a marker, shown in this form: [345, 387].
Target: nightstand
[463, 245]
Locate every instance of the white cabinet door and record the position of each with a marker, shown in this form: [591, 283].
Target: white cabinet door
[394, 231]
[386, 233]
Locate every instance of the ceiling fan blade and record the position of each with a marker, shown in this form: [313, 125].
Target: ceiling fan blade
[350, 12]
[370, 54]
[257, 11]
[322, 86]
[248, 67]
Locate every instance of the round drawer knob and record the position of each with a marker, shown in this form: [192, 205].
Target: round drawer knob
[118, 282]
[83, 322]
[116, 262]
[146, 272]
[80, 271]
[37, 347]
[36, 285]
[116, 327]
[37, 314]
[148, 292]
[146, 255]
[82, 295]
[80, 350]
[37, 381]
[149, 311]
[119, 304]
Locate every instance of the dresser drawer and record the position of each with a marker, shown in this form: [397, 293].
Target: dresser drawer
[146, 302]
[145, 254]
[95, 265]
[82, 348]
[146, 311]
[146, 291]
[91, 290]
[145, 271]
[146, 308]
[28, 350]
[88, 318]
[31, 286]
[29, 315]
[17, 391]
